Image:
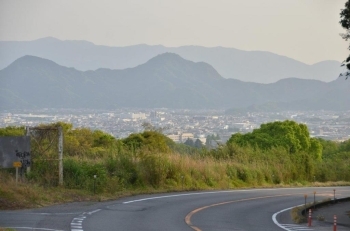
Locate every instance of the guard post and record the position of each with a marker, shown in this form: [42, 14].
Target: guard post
[17, 164]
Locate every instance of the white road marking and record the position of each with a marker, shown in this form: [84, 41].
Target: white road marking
[77, 222]
[78, 227]
[32, 228]
[288, 227]
[201, 193]
[44, 214]
[294, 227]
[194, 194]
[95, 211]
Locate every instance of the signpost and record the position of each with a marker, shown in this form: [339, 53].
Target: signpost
[15, 149]
[17, 165]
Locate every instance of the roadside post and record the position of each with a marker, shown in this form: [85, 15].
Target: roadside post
[17, 165]
[314, 200]
[95, 184]
[335, 223]
[228, 180]
[305, 196]
[182, 180]
[310, 218]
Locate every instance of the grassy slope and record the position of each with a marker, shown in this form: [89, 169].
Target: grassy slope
[25, 195]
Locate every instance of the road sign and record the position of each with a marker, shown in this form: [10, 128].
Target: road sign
[17, 164]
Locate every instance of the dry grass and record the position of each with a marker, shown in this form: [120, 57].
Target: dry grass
[328, 184]
[188, 173]
[297, 217]
[27, 195]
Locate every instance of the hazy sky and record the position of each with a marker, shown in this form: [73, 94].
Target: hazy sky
[306, 30]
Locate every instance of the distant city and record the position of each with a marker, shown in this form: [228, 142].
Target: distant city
[182, 124]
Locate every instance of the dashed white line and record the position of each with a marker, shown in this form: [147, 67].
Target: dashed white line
[77, 222]
[294, 227]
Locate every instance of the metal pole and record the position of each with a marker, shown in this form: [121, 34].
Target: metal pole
[334, 195]
[28, 134]
[16, 175]
[60, 156]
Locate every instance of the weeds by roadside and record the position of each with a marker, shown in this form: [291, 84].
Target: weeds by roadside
[297, 212]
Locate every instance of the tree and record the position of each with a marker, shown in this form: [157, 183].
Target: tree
[149, 127]
[345, 23]
[150, 140]
[189, 142]
[198, 143]
[12, 131]
[211, 138]
[290, 135]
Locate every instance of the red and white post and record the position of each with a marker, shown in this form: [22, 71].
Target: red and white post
[310, 218]
[335, 223]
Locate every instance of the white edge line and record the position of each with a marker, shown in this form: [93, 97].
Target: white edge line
[275, 215]
[201, 193]
[190, 194]
[44, 214]
[32, 228]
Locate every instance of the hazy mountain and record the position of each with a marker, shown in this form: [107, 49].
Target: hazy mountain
[166, 80]
[250, 66]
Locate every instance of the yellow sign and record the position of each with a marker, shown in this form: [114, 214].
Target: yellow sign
[17, 164]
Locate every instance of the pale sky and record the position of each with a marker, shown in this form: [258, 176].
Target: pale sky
[306, 30]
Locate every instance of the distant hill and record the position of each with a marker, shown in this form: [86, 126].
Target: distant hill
[166, 80]
[249, 66]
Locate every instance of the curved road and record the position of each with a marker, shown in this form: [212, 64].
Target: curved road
[251, 210]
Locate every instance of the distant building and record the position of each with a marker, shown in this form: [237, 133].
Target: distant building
[138, 116]
[132, 116]
[175, 138]
[185, 136]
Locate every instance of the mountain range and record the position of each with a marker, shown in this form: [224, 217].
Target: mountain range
[248, 66]
[166, 80]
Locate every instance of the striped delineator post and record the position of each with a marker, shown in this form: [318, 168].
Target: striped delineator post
[335, 223]
[309, 224]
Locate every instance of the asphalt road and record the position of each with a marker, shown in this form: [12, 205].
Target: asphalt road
[250, 210]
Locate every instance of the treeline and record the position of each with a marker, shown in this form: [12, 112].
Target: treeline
[276, 153]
